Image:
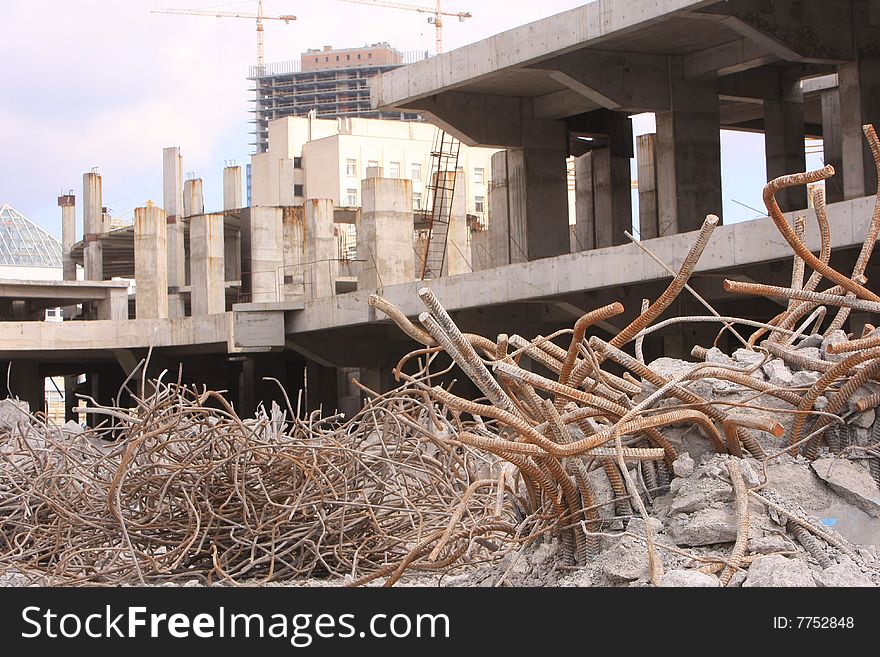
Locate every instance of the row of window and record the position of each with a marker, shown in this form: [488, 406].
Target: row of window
[347, 57]
[351, 169]
[351, 200]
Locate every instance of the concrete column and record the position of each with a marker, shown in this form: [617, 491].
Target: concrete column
[93, 250]
[27, 383]
[688, 149]
[114, 306]
[295, 234]
[208, 292]
[612, 197]
[193, 197]
[649, 226]
[458, 255]
[321, 255]
[502, 248]
[67, 204]
[584, 210]
[384, 233]
[151, 263]
[266, 242]
[831, 144]
[172, 202]
[232, 235]
[859, 85]
[232, 188]
[784, 139]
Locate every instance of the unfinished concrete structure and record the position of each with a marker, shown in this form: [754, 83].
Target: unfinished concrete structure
[561, 86]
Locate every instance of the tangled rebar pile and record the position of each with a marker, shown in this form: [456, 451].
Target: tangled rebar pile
[555, 431]
[186, 489]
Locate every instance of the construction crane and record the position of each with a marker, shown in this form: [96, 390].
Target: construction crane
[259, 16]
[436, 19]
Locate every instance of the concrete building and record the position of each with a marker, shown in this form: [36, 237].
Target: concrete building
[327, 83]
[563, 86]
[321, 158]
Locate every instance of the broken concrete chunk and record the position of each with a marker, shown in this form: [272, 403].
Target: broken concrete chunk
[13, 411]
[777, 372]
[747, 357]
[683, 466]
[688, 578]
[748, 473]
[715, 355]
[852, 483]
[811, 341]
[695, 495]
[835, 338]
[625, 561]
[845, 573]
[804, 378]
[776, 570]
[705, 527]
[864, 420]
[769, 544]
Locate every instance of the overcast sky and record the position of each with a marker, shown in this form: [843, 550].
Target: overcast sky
[91, 83]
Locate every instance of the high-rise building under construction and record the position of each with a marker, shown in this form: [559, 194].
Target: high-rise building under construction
[331, 82]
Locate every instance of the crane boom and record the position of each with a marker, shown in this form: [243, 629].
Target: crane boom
[259, 16]
[221, 14]
[436, 14]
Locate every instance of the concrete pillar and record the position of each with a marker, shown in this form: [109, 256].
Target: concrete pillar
[114, 305]
[26, 383]
[784, 139]
[502, 248]
[649, 226]
[384, 233]
[93, 249]
[193, 197]
[859, 85]
[688, 149]
[172, 202]
[321, 253]
[232, 234]
[294, 229]
[232, 188]
[208, 292]
[584, 210]
[150, 263]
[67, 203]
[458, 256]
[612, 197]
[831, 143]
[266, 242]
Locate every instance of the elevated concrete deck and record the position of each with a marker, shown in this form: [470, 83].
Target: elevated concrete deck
[111, 296]
[737, 246]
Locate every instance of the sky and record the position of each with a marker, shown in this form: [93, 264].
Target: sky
[98, 83]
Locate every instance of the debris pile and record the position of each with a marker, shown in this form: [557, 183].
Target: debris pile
[579, 465]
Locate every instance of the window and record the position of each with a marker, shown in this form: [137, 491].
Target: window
[369, 55]
[394, 169]
[417, 201]
[351, 197]
[417, 172]
[348, 57]
[298, 190]
[359, 55]
[297, 163]
[478, 175]
[373, 164]
[479, 204]
[351, 167]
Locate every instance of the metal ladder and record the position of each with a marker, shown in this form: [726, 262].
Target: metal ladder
[441, 191]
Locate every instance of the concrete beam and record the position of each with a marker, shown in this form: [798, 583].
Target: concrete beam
[151, 263]
[794, 30]
[614, 80]
[726, 59]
